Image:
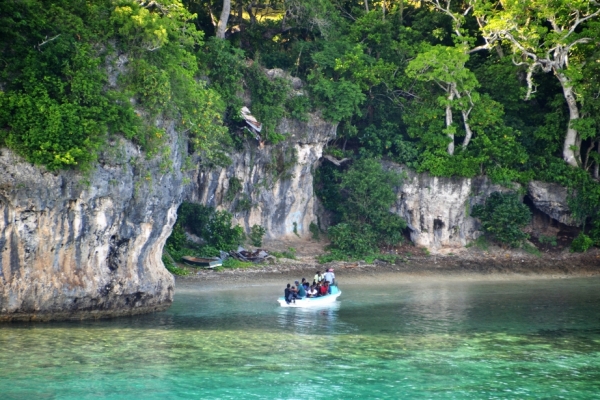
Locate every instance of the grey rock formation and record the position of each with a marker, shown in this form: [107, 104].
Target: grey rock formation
[551, 199]
[277, 181]
[437, 210]
[84, 246]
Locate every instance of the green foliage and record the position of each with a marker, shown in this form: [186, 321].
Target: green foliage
[177, 240]
[232, 263]
[58, 103]
[269, 98]
[502, 217]
[365, 194]
[531, 249]
[338, 100]
[595, 232]
[353, 239]
[244, 204]
[581, 243]
[551, 240]
[235, 187]
[212, 226]
[172, 268]
[289, 253]
[257, 232]
[220, 234]
[224, 66]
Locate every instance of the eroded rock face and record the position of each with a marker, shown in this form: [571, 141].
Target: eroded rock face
[75, 246]
[551, 199]
[276, 181]
[437, 210]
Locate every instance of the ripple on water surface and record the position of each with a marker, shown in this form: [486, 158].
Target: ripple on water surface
[528, 339]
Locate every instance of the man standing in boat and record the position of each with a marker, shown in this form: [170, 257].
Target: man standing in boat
[318, 277]
[330, 277]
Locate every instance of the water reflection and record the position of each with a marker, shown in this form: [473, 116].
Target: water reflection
[320, 319]
[435, 308]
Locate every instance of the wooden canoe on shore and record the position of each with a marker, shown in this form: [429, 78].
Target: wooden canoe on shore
[202, 262]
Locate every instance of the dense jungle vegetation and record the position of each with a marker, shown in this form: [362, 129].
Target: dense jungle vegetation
[504, 88]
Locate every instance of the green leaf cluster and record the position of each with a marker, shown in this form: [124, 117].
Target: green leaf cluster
[363, 198]
[214, 227]
[502, 217]
[75, 72]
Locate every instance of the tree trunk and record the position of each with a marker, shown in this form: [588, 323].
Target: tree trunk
[596, 173]
[465, 115]
[250, 9]
[367, 5]
[240, 11]
[222, 25]
[468, 131]
[449, 118]
[572, 140]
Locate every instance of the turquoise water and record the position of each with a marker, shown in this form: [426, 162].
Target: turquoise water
[438, 340]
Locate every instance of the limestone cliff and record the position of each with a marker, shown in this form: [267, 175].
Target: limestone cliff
[79, 246]
[437, 209]
[269, 185]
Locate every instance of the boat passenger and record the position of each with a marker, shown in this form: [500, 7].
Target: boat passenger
[318, 277]
[287, 294]
[324, 289]
[312, 291]
[301, 292]
[330, 276]
[293, 294]
[305, 284]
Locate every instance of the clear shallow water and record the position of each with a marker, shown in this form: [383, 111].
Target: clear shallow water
[439, 340]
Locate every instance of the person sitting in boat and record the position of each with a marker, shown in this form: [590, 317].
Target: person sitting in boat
[287, 294]
[293, 294]
[324, 289]
[300, 291]
[318, 277]
[305, 284]
[329, 276]
[312, 291]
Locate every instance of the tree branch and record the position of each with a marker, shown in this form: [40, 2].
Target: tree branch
[47, 41]
[578, 21]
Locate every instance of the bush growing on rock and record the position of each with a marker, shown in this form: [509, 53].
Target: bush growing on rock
[256, 235]
[581, 243]
[214, 227]
[366, 194]
[502, 217]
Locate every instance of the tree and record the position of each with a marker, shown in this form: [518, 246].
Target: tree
[546, 35]
[222, 25]
[446, 67]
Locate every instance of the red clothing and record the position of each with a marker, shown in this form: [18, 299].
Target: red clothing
[323, 290]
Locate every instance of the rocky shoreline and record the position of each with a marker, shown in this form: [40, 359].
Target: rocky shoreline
[464, 263]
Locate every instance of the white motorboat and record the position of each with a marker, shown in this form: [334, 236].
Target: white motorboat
[311, 301]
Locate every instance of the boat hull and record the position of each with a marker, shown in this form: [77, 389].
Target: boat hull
[310, 301]
[202, 262]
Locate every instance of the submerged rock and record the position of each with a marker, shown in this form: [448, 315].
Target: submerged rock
[86, 246]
